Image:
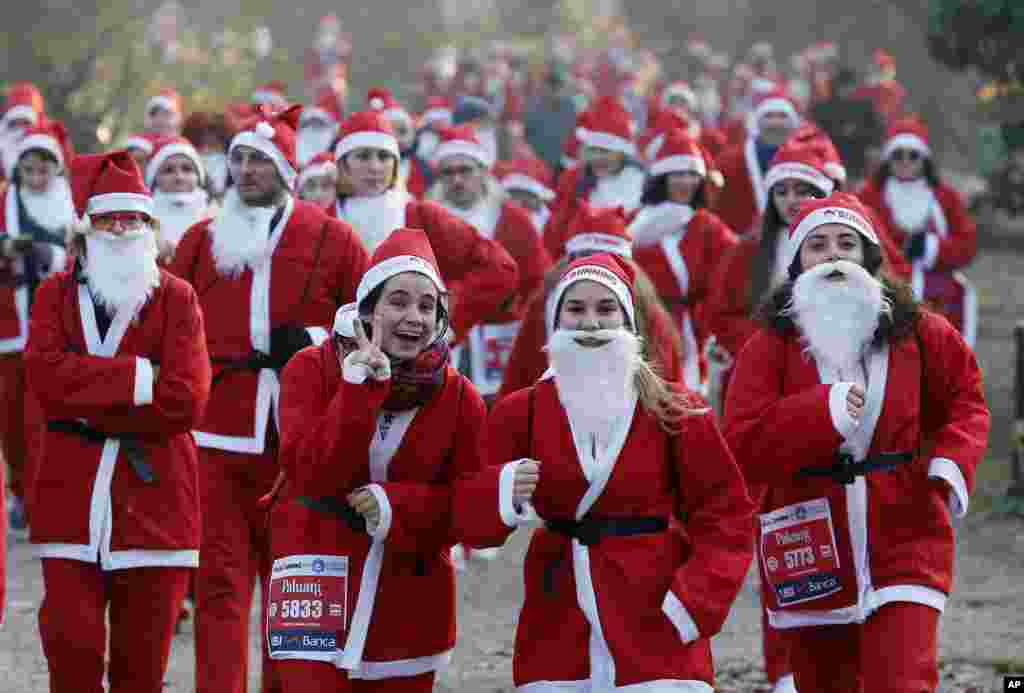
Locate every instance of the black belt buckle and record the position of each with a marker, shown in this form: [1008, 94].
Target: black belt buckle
[589, 533]
[845, 469]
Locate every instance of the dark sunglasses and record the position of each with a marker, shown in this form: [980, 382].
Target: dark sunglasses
[451, 172]
[906, 155]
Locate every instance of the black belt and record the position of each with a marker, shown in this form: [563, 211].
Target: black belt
[675, 300]
[131, 446]
[335, 506]
[593, 530]
[256, 361]
[845, 470]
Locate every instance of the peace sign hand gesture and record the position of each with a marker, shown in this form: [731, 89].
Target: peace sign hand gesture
[369, 354]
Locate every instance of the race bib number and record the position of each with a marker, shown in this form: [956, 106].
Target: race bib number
[490, 348]
[798, 552]
[307, 607]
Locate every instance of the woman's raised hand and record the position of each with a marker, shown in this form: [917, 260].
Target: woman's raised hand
[369, 354]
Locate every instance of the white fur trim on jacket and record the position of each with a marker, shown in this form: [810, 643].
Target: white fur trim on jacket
[381, 528]
[681, 619]
[948, 471]
[510, 514]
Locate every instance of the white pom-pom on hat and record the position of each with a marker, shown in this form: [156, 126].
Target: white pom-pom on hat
[376, 103]
[265, 129]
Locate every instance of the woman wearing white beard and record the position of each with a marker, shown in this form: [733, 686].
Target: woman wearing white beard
[646, 520]
[177, 179]
[847, 378]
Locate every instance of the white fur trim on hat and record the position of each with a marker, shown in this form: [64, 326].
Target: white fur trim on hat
[164, 102]
[22, 112]
[261, 139]
[462, 148]
[820, 217]
[311, 112]
[433, 115]
[381, 272]
[594, 273]
[343, 321]
[398, 113]
[678, 164]
[165, 153]
[906, 140]
[606, 140]
[835, 171]
[367, 138]
[598, 242]
[518, 181]
[777, 105]
[36, 140]
[139, 143]
[799, 171]
[324, 168]
[119, 202]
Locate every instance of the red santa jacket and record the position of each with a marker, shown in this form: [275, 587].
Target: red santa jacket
[741, 201]
[624, 190]
[644, 603]
[683, 264]
[416, 183]
[333, 442]
[89, 502]
[528, 361]
[893, 535]
[478, 272]
[953, 235]
[314, 268]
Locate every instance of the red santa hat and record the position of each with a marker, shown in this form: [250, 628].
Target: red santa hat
[271, 94]
[884, 60]
[273, 135]
[606, 269]
[461, 140]
[439, 110]
[366, 129]
[812, 135]
[404, 250]
[380, 99]
[680, 153]
[50, 137]
[609, 127]
[664, 122]
[322, 164]
[906, 133]
[679, 90]
[146, 141]
[326, 108]
[800, 161]
[599, 230]
[839, 208]
[531, 175]
[776, 100]
[24, 101]
[110, 182]
[167, 147]
[167, 99]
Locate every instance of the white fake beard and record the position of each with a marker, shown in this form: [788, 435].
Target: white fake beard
[837, 319]
[654, 222]
[595, 385]
[623, 189]
[52, 209]
[121, 270]
[240, 235]
[540, 218]
[310, 141]
[910, 202]
[374, 218]
[178, 212]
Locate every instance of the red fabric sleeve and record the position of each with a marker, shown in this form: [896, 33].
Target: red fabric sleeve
[351, 261]
[526, 361]
[562, 210]
[719, 517]
[773, 434]
[185, 255]
[960, 245]
[520, 239]
[727, 313]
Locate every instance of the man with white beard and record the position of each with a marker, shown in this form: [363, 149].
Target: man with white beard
[23, 109]
[37, 210]
[176, 177]
[467, 189]
[318, 126]
[850, 377]
[271, 271]
[608, 454]
[118, 361]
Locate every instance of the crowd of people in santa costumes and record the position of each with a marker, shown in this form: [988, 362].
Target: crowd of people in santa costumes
[377, 430]
[467, 190]
[643, 517]
[889, 386]
[117, 357]
[294, 283]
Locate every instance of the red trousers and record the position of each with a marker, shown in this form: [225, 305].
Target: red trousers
[143, 605]
[299, 677]
[235, 550]
[894, 651]
[12, 418]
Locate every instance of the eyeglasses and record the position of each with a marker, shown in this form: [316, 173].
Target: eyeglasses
[905, 155]
[451, 172]
[129, 221]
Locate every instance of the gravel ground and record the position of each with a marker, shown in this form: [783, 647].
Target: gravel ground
[982, 631]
